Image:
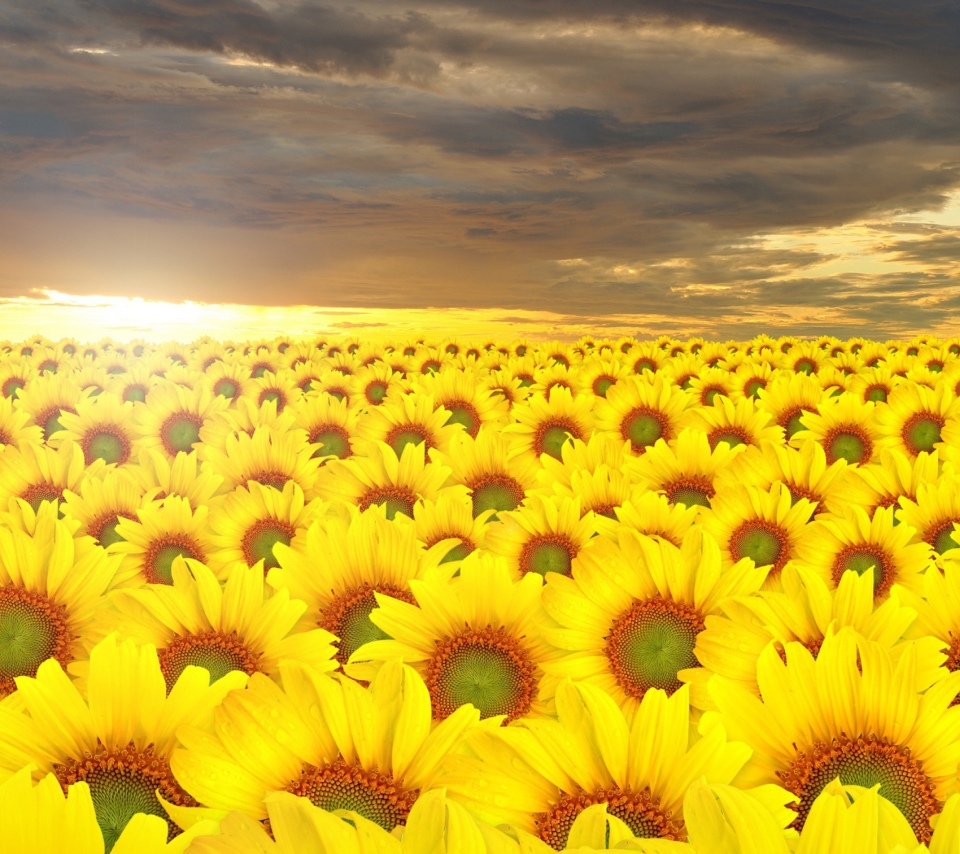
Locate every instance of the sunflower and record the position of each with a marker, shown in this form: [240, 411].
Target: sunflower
[243, 418]
[652, 514]
[46, 398]
[451, 517]
[629, 619]
[598, 373]
[685, 472]
[372, 383]
[102, 502]
[102, 427]
[118, 741]
[463, 395]
[184, 476]
[476, 640]
[172, 417]
[764, 525]
[15, 425]
[647, 357]
[161, 533]
[14, 377]
[885, 482]
[682, 370]
[229, 380]
[935, 512]
[329, 424]
[853, 713]
[361, 556]
[208, 355]
[342, 746]
[407, 419]
[540, 774]
[750, 379]
[846, 427]
[261, 362]
[835, 544]
[427, 360]
[641, 411]
[38, 473]
[92, 379]
[914, 417]
[549, 377]
[270, 457]
[279, 389]
[381, 478]
[133, 385]
[50, 586]
[804, 471]
[43, 819]
[250, 521]
[196, 621]
[788, 397]
[805, 612]
[542, 535]
[542, 426]
[503, 384]
[805, 357]
[740, 423]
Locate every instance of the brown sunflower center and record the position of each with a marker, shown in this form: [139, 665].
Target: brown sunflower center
[32, 629]
[339, 786]
[651, 642]
[159, 557]
[219, 653]
[348, 617]
[271, 477]
[395, 498]
[180, 432]
[865, 761]
[761, 541]
[123, 782]
[640, 811]
[862, 558]
[548, 553]
[487, 667]
[690, 490]
[37, 493]
[261, 537]
[941, 536]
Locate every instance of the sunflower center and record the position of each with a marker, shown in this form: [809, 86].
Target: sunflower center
[922, 432]
[134, 394]
[752, 388]
[690, 491]
[259, 540]
[847, 444]
[50, 420]
[760, 541]
[348, 617]
[36, 494]
[13, 386]
[339, 786]
[180, 432]
[552, 436]
[486, 667]
[225, 388]
[642, 365]
[376, 391]
[804, 366]
[395, 499]
[650, 643]
[942, 538]
[792, 422]
[865, 761]
[465, 415]
[860, 559]
[109, 444]
[123, 782]
[643, 427]
[273, 395]
[333, 441]
[104, 530]
[275, 479]
[408, 434]
[458, 552]
[547, 553]
[640, 811]
[158, 561]
[709, 394]
[218, 653]
[876, 394]
[731, 435]
[601, 385]
[496, 492]
[32, 629]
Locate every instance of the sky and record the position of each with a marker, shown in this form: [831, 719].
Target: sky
[690, 167]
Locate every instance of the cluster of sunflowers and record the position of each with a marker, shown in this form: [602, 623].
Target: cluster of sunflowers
[335, 597]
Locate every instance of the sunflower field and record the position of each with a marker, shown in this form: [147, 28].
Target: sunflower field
[445, 597]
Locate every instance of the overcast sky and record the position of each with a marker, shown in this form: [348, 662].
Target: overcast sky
[746, 165]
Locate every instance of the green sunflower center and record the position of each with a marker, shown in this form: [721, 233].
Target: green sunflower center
[496, 492]
[158, 565]
[259, 541]
[805, 366]
[552, 438]
[849, 446]
[226, 388]
[348, 617]
[124, 782]
[860, 560]
[732, 437]
[547, 554]
[651, 643]
[180, 432]
[865, 761]
[877, 394]
[760, 541]
[338, 786]
[487, 668]
[109, 445]
[643, 428]
[108, 533]
[32, 629]
[690, 491]
[376, 392]
[794, 424]
[601, 385]
[134, 394]
[12, 387]
[400, 437]
[333, 441]
[38, 493]
[465, 415]
[921, 433]
[395, 499]
[458, 552]
[942, 540]
[51, 422]
[752, 388]
[218, 653]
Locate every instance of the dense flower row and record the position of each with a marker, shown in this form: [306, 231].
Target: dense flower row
[664, 596]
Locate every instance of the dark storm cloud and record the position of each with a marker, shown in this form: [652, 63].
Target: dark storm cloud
[454, 154]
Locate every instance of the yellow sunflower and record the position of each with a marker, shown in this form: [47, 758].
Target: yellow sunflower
[229, 380]
[682, 370]
[845, 427]
[269, 457]
[597, 374]
[914, 417]
[476, 640]
[407, 419]
[46, 398]
[119, 739]
[243, 418]
[873, 385]
[540, 774]
[641, 411]
[15, 426]
[628, 621]
[885, 482]
[504, 384]
[196, 621]
[542, 535]
[38, 473]
[647, 357]
[184, 476]
[360, 557]
[851, 713]
[280, 389]
[709, 384]
[750, 379]
[549, 377]
[161, 533]
[935, 512]
[14, 377]
[381, 478]
[102, 502]
[763, 525]
[102, 427]
[788, 397]
[740, 423]
[463, 395]
[372, 383]
[250, 521]
[172, 416]
[652, 514]
[342, 746]
[329, 424]
[133, 385]
[451, 517]
[542, 426]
